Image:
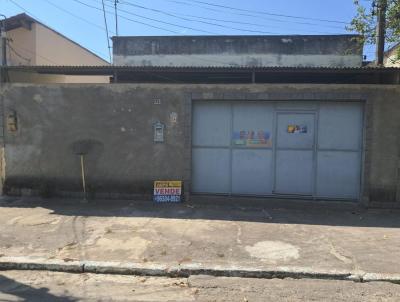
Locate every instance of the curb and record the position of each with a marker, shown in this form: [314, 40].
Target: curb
[40, 264]
[187, 270]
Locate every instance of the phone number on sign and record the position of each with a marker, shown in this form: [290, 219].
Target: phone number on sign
[167, 198]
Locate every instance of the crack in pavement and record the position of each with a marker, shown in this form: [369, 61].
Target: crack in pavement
[238, 234]
[338, 255]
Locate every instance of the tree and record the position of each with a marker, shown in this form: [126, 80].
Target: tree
[365, 21]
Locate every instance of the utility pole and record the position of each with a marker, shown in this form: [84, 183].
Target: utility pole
[107, 36]
[3, 48]
[380, 31]
[116, 16]
[3, 41]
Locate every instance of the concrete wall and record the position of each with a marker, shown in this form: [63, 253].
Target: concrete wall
[335, 50]
[116, 120]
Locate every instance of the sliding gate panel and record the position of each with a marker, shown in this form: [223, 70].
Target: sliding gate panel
[232, 148]
[338, 174]
[211, 163]
[211, 167]
[339, 150]
[252, 148]
[211, 124]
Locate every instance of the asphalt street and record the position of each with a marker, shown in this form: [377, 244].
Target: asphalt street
[55, 286]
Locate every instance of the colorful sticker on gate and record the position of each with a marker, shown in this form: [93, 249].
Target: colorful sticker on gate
[296, 129]
[252, 138]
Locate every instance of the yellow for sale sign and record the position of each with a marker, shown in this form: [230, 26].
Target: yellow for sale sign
[167, 191]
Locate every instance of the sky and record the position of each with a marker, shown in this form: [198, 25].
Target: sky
[83, 20]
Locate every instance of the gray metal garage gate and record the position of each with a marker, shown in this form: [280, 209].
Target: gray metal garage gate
[284, 148]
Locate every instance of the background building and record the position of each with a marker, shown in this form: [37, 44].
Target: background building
[228, 51]
[391, 58]
[30, 42]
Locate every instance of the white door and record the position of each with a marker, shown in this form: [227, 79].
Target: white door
[294, 154]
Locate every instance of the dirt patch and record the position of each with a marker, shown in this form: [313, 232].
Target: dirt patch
[273, 251]
[34, 220]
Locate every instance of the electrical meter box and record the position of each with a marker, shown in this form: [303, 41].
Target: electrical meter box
[158, 130]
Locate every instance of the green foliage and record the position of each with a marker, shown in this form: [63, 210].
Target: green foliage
[365, 21]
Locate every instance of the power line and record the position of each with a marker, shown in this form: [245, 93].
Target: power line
[108, 38]
[26, 11]
[177, 15]
[266, 13]
[187, 19]
[190, 20]
[17, 53]
[253, 15]
[74, 15]
[128, 19]
[248, 23]
[164, 22]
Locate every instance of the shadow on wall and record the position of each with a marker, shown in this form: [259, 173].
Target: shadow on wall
[82, 148]
[87, 146]
[27, 293]
[85, 175]
[87, 154]
[259, 210]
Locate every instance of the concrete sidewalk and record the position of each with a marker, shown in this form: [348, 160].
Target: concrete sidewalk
[220, 233]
